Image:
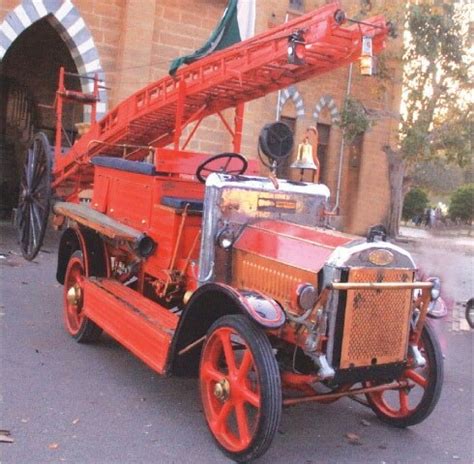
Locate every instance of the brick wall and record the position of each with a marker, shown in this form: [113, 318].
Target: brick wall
[137, 39]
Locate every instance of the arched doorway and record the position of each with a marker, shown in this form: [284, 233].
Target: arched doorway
[28, 77]
[36, 39]
[289, 118]
[326, 115]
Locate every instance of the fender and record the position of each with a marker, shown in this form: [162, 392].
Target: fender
[92, 247]
[263, 310]
[209, 303]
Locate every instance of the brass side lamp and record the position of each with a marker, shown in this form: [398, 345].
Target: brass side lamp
[366, 57]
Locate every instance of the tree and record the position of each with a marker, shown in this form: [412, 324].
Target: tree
[415, 203]
[354, 120]
[435, 122]
[462, 204]
[437, 177]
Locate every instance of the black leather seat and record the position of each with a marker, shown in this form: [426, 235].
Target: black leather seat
[137, 167]
[180, 203]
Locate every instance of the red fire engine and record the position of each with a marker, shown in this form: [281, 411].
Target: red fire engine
[199, 266]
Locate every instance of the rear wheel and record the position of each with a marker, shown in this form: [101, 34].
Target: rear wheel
[413, 404]
[240, 387]
[35, 195]
[77, 323]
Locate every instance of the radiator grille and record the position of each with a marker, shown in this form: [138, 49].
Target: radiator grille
[376, 323]
[269, 277]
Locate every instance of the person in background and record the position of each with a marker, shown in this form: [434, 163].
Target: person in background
[432, 218]
[427, 217]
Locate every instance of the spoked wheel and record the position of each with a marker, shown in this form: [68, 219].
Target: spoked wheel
[414, 403]
[78, 325]
[35, 194]
[240, 387]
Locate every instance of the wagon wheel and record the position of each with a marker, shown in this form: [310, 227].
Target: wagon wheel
[413, 404]
[35, 195]
[240, 387]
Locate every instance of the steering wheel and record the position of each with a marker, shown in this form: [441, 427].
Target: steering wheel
[220, 164]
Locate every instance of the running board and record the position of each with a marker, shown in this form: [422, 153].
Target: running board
[139, 324]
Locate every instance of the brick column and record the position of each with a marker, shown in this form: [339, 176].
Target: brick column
[135, 53]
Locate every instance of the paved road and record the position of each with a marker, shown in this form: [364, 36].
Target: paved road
[97, 404]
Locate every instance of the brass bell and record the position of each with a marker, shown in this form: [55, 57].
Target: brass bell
[304, 159]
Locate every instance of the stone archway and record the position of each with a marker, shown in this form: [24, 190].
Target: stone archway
[69, 24]
[327, 101]
[293, 94]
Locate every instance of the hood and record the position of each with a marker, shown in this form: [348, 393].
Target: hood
[293, 245]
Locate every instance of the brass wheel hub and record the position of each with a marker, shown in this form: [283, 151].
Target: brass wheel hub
[222, 390]
[74, 295]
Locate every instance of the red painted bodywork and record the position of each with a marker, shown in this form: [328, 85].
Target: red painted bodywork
[297, 246]
[142, 326]
[135, 200]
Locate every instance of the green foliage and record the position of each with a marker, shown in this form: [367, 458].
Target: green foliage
[416, 200]
[436, 83]
[354, 119]
[436, 177]
[462, 203]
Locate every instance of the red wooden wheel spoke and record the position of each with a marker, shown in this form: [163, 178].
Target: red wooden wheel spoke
[418, 391]
[404, 408]
[250, 397]
[220, 422]
[210, 373]
[228, 352]
[242, 423]
[245, 365]
[416, 377]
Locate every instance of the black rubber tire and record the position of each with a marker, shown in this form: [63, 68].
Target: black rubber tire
[470, 313]
[269, 382]
[89, 331]
[434, 357]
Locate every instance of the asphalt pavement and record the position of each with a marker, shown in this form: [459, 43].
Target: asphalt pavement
[98, 404]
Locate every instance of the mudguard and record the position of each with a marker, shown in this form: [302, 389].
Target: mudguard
[263, 310]
[209, 303]
[92, 247]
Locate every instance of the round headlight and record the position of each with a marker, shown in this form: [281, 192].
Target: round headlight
[435, 293]
[225, 239]
[307, 296]
[436, 289]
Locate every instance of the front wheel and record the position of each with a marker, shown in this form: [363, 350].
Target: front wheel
[240, 387]
[412, 404]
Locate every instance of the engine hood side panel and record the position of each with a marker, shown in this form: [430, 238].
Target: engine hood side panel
[296, 246]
